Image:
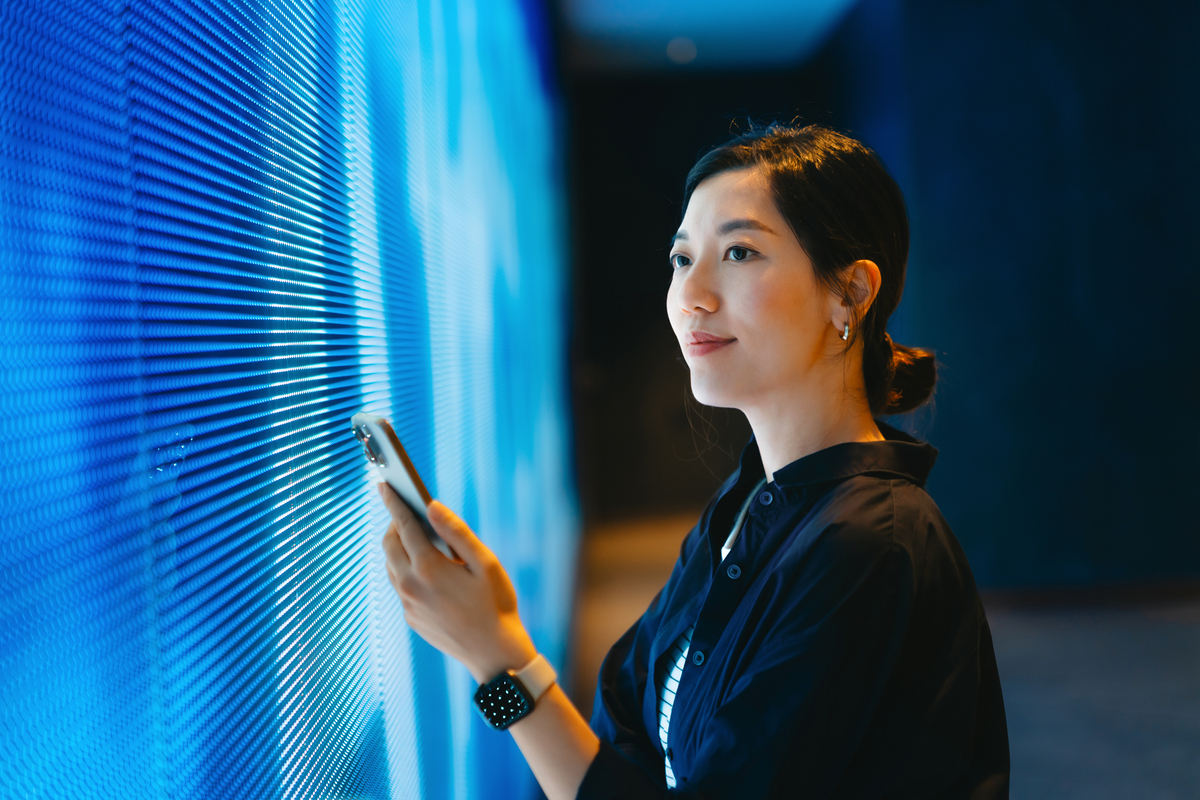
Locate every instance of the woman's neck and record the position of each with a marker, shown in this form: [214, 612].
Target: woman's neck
[797, 428]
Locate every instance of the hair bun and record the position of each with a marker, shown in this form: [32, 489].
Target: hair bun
[913, 376]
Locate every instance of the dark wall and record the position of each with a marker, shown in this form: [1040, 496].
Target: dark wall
[1054, 162]
[1050, 154]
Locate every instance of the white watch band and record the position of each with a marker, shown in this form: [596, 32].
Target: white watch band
[537, 676]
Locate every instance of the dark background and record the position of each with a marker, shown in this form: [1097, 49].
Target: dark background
[1050, 156]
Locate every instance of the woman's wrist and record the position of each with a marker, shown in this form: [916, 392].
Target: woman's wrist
[512, 654]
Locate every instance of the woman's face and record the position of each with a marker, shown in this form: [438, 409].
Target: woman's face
[751, 320]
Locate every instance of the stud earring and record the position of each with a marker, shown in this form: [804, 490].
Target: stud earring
[846, 333]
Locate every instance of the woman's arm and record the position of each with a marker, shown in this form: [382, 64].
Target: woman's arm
[468, 610]
[558, 744]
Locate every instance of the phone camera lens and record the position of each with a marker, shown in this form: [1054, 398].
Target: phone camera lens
[373, 454]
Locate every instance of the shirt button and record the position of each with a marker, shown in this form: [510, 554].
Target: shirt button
[734, 571]
[698, 658]
[670, 754]
[766, 498]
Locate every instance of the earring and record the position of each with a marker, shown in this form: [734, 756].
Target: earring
[846, 333]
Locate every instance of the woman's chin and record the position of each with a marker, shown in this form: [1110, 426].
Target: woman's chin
[710, 391]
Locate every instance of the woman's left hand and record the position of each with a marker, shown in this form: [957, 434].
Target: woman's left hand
[468, 608]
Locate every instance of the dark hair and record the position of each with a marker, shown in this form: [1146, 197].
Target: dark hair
[844, 207]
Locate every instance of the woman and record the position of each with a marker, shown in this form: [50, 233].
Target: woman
[821, 634]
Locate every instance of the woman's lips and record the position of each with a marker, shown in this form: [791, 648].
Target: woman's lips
[704, 348]
[701, 344]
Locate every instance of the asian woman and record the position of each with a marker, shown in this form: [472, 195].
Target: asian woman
[821, 634]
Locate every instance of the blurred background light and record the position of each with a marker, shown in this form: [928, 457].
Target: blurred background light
[681, 50]
[642, 34]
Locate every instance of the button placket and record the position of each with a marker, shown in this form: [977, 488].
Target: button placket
[723, 597]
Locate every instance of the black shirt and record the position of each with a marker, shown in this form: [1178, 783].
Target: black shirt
[840, 650]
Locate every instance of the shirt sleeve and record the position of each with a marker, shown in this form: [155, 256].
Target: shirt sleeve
[627, 753]
[629, 765]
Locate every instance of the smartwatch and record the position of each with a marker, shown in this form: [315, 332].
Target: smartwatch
[511, 695]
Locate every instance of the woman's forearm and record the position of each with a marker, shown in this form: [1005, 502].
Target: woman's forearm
[558, 744]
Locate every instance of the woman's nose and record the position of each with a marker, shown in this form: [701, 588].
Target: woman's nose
[696, 291]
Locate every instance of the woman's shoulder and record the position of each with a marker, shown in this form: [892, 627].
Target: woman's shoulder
[883, 504]
[867, 517]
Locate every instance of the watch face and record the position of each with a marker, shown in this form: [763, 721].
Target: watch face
[502, 701]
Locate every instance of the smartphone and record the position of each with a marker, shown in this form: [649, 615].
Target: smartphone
[382, 448]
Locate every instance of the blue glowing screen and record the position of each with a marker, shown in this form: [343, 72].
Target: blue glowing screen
[225, 227]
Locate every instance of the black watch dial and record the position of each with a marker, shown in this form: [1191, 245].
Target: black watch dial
[502, 701]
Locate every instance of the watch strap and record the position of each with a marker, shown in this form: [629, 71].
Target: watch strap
[537, 676]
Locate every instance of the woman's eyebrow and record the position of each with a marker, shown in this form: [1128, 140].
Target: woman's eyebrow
[743, 224]
[729, 227]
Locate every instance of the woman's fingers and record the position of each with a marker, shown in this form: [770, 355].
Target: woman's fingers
[391, 576]
[395, 506]
[465, 608]
[396, 560]
[416, 544]
[458, 535]
[393, 548]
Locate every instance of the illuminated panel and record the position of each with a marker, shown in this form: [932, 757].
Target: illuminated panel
[224, 228]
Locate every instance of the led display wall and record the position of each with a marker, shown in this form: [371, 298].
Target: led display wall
[225, 227]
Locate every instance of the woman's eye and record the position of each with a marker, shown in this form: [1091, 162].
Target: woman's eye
[739, 253]
[680, 260]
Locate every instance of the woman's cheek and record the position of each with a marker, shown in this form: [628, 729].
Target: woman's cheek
[673, 314]
[784, 324]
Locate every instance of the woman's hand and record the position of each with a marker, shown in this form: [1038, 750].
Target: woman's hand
[468, 608]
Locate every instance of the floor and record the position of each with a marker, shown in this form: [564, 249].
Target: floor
[1102, 689]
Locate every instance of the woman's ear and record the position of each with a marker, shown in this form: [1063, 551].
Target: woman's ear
[861, 287]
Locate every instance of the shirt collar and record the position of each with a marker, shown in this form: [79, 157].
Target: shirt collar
[899, 455]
